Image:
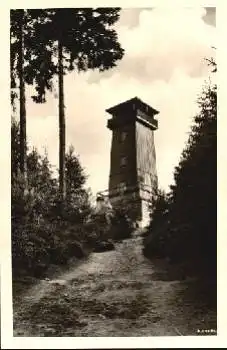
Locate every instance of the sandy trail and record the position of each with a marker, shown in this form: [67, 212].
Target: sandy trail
[116, 293]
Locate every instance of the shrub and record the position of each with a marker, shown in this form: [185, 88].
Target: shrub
[121, 224]
[44, 230]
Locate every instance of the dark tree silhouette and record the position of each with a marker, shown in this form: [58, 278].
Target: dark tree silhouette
[187, 233]
[18, 27]
[80, 39]
[15, 147]
[26, 65]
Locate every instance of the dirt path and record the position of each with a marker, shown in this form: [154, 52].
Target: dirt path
[116, 293]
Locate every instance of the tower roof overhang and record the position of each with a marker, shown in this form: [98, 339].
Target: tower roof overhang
[133, 104]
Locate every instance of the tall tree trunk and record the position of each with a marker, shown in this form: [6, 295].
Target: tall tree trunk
[23, 143]
[62, 184]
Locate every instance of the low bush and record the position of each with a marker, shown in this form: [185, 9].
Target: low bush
[46, 231]
[121, 224]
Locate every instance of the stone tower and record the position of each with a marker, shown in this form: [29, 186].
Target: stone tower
[133, 175]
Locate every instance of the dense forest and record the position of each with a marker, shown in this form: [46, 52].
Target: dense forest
[183, 227]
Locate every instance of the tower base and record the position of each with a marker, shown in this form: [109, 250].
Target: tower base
[136, 204]
[137, 210]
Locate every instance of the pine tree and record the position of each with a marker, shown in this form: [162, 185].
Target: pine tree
[194, 194]
[15, 148]
[77, 201]
[188, 233]
[83, 40]
[18, 23]
[26, 65]
[75, 176]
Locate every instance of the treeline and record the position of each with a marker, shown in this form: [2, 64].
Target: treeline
[183, 225]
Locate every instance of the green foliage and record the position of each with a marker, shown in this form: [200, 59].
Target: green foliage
[86, 35]
[183, 223]
[34, 49]
[109, 224]
[156, 236]
[44, 233]
[121, 224]
[159, 209]
[77, 202]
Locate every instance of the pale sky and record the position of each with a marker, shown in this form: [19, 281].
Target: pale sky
[163, 65]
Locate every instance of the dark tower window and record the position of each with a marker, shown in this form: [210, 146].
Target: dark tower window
[123, 161]
[123, 136]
